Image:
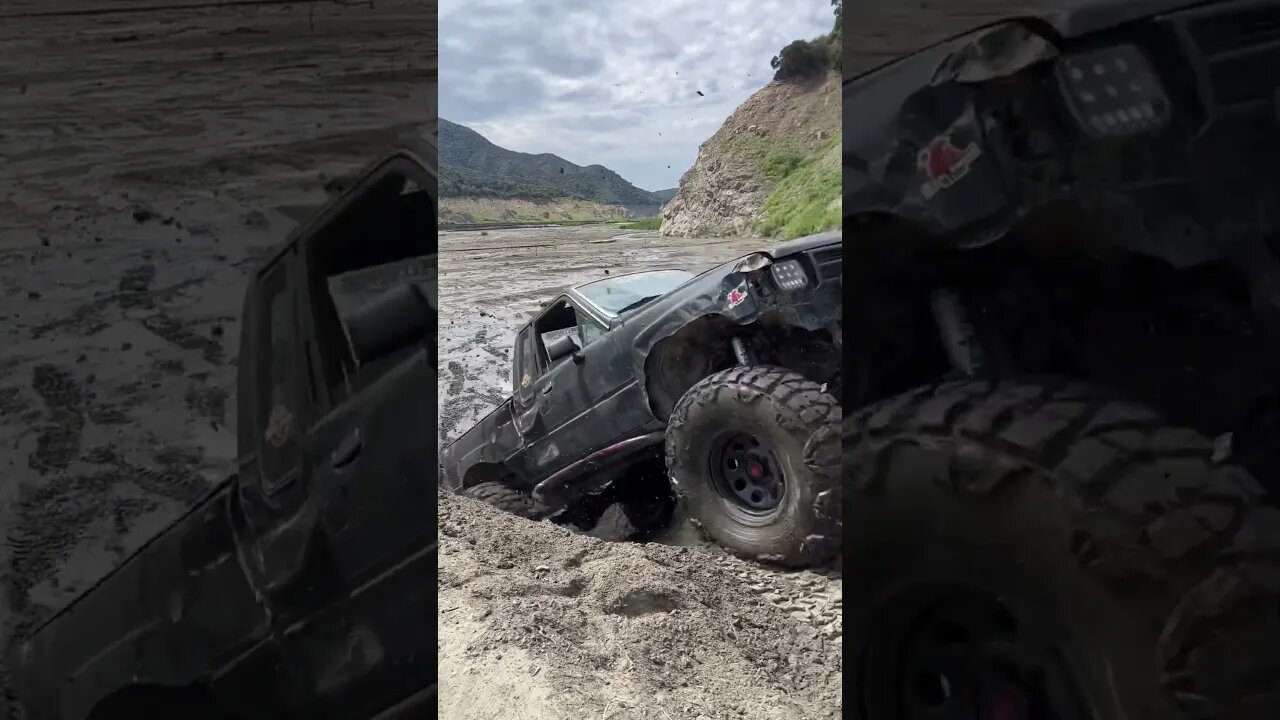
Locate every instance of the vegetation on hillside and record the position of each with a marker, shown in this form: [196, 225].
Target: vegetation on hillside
[806, 198]
[649, 223]
[806, 58]
[470, 165]
[806, 193]
[478, 209]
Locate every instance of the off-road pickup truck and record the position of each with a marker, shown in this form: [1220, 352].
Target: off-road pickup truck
[1063, 402]
[303, 586]
[736, 372]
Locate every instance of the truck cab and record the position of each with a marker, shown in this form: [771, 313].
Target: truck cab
[300, 586]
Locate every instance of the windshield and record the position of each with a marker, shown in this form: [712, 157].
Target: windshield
[615, 295]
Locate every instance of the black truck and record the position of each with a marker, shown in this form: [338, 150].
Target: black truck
[301, 587]
[1062, 404]
[728, 382]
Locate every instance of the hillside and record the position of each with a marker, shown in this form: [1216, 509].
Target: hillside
[478, 178]
[665, 195]
[773, 168]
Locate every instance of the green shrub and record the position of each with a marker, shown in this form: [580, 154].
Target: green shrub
[778, 165]
[801, 58]
[806, 201]
[805, 58]
[650, 223]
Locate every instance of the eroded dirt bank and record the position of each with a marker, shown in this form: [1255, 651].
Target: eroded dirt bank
[538, 623]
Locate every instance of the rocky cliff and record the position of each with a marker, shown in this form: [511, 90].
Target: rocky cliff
[772, 168]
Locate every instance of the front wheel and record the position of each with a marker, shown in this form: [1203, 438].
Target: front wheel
[1037, 549]
[755, 454]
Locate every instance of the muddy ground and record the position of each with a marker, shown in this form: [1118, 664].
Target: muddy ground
[540, 623]
[147, 160]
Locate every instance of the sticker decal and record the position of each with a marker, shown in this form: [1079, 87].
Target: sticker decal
[524, 381]
[943, 164]
[548, 453]
[279, 426]
[736, 296]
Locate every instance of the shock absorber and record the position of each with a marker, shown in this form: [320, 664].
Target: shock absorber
[958, 338]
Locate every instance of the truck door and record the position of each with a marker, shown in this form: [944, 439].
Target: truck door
[358, 633]
[565, 411]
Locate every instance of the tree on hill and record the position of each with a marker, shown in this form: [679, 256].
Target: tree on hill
[801, 58]
[805, 58]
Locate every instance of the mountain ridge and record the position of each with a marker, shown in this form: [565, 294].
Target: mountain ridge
[471, 165]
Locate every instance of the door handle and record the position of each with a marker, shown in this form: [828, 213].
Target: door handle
[347, 451]
[546, 389]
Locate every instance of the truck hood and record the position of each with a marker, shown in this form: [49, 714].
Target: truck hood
[1081, 17]
[804, 244]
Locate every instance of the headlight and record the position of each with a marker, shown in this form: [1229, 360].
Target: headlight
[1112, 92]
[789, 275]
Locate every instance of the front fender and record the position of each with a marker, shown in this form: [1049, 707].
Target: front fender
[915, 147]
[708, 294]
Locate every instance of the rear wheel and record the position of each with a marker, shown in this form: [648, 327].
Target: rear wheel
[506, 498]
[1037, 549]
[755, 454]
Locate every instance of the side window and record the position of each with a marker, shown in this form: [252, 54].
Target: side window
[278, 396]
[526, 366]
[590, 331]
[557, 324]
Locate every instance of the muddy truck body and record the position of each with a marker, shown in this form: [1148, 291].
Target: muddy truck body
[588, 408]
[301, 586]
[1062, 235]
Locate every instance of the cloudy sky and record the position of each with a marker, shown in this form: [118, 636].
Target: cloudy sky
[612, 82]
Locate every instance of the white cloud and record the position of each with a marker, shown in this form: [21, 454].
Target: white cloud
[609, 82]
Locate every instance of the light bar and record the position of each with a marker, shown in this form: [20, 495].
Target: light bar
[789, 275]
[1112, 92]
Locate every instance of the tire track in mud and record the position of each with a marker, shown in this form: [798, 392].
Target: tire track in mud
[88, 499]
[58, 440]
[51, 519]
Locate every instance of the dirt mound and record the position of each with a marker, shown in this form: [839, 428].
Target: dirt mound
[536, 623]
[726, 189]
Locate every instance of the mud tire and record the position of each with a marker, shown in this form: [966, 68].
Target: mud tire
[795, 417]
[506, 498]
[1159, 568]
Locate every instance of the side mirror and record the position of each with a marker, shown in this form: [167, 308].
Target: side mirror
[578, 357]
[561, 347]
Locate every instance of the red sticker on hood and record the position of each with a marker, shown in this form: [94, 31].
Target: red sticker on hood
[943, 164]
